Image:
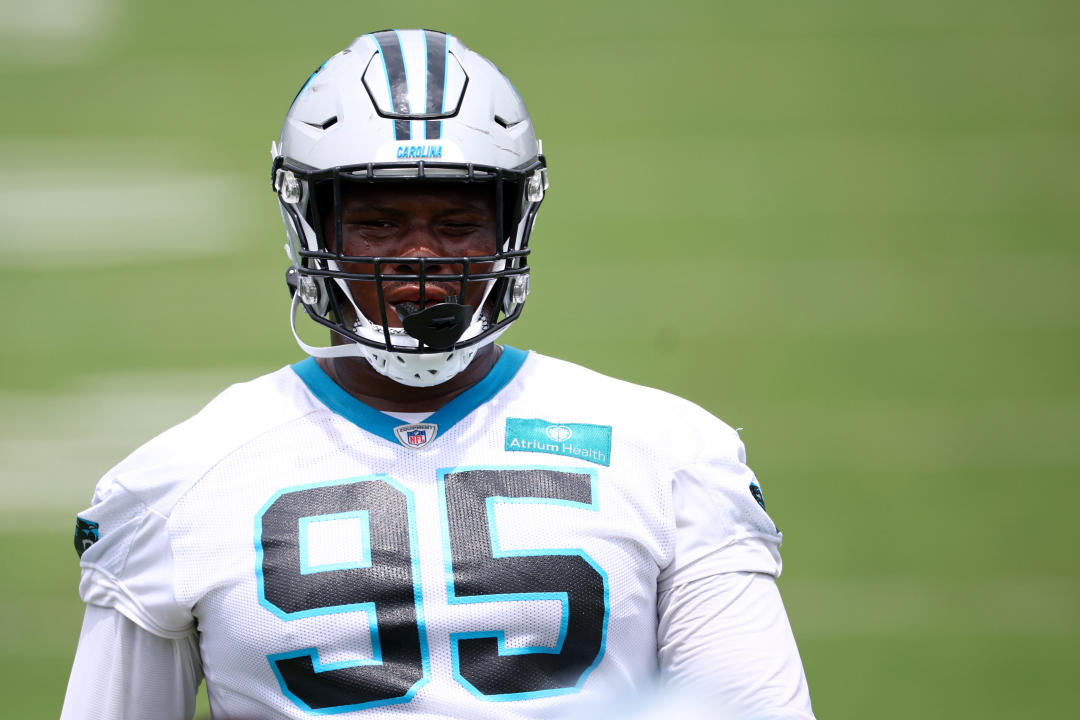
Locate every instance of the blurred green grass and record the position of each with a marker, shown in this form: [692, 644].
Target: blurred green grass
[850, 229]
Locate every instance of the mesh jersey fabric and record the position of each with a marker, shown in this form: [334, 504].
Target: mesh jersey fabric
[330, 568]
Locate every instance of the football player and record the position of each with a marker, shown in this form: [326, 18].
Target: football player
[415, 521]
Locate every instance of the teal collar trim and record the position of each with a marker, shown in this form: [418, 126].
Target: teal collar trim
[368, 418]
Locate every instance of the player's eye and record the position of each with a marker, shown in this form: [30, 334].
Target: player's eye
[460, 228]
[369, 227]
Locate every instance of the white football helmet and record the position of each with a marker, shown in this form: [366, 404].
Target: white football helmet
[399, 106]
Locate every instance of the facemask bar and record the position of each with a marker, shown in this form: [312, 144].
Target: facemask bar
[319, 270]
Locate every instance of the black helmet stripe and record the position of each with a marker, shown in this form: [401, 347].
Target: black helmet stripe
[436, 81]
[390, 49]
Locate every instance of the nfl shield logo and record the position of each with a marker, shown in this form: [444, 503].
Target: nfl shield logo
[416, 435]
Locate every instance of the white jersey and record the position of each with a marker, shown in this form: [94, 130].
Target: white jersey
[504, 557]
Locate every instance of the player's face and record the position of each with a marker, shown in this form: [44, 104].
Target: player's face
[415, 220]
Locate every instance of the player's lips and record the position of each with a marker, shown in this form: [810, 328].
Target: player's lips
[410, 293]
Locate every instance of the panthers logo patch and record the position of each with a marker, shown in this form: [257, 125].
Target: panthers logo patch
[86, 534]
[755, 490]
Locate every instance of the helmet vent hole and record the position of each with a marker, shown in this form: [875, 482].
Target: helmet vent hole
[325, 124]
[399, 359]
[504, 123]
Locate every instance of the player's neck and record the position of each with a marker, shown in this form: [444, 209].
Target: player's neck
[355, 376]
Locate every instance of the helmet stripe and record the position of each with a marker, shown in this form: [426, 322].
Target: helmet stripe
[308, 81]
[394, 64]
[436, 81]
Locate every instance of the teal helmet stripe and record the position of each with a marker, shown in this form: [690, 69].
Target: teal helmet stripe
[308, 81]
[394, 64]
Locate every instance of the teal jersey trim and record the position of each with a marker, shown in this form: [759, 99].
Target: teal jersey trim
[368, 418]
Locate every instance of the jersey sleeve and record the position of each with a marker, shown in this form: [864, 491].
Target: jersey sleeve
[726, 640]
[127, 561]
[122, 672]
[719, 516]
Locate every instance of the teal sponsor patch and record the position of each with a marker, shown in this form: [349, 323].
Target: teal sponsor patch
[580, 440]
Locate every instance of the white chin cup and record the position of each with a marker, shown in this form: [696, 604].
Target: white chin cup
[413, 369]
[419, 370]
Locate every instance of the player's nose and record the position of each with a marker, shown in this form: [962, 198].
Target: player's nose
[418, 242]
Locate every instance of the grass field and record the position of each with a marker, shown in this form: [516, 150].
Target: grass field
[852, 229]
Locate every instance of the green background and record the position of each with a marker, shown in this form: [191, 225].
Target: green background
[849, 228]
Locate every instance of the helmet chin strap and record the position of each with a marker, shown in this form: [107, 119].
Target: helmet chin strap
[350, 349]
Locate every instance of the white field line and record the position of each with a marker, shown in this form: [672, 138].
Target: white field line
[50, 32]
[88, 217]
[55, 447]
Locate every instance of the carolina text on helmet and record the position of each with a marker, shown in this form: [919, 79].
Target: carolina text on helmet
[411, 152]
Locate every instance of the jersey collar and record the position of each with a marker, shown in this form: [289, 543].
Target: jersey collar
[368, 418]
